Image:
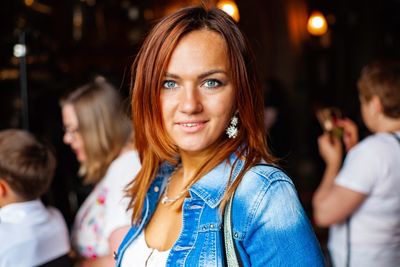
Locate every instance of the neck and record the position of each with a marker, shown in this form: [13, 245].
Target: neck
[389, 125]
[191, 163]
[128, 147]
[11, 200]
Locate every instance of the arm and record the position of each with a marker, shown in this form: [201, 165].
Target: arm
[332, 203]
[280, 232]
[107, 261]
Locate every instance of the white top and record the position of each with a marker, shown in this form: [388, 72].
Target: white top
[139, 254]
[104, 210]
[31, 235]
[372, 167]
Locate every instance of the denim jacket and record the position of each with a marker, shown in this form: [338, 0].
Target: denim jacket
[269, 225]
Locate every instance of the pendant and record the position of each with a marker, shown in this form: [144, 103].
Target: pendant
[165, 200]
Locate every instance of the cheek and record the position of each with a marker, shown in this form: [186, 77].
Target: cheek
[166, 108]
[78, 144]
[166, 116]
[224, 115]
[226, 107]
[365, 112]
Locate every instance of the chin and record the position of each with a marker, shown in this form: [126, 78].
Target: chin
[81, 158]
[189, 147]
[194, 147]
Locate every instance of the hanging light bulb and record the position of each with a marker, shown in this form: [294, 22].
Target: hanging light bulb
[229, 7]
[317, 24]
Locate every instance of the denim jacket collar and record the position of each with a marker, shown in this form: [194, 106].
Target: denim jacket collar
[212, 186]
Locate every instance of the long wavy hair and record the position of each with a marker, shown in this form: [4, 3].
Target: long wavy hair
[103, 125]
[148, 71]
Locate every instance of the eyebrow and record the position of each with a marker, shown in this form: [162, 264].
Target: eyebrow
[201, 76]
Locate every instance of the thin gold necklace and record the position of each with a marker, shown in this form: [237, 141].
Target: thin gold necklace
[170, 200]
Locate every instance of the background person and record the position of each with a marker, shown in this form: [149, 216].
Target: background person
[100, 135]
[198, 114]
[30, 233]
[360, 200]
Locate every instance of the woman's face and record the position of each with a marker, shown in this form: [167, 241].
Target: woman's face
[72, 135]
[197, 98]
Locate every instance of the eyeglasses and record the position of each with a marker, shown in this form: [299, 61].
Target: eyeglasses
[72, 132]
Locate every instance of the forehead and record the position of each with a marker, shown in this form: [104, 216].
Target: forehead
[199, 51]
[69, 115]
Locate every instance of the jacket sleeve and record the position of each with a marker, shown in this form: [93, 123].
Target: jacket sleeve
[278, 232]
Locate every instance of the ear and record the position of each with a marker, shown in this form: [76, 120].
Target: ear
[3, 188]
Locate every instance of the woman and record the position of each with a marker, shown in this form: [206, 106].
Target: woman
[198, 113]
[360, 200]
[100, 135]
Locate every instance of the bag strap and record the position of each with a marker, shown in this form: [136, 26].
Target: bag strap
[229, 244]
[231, 255]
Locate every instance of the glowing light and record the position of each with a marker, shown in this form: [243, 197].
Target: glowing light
[28, 2]
[230, 8]
[19, 50]
[317, 24]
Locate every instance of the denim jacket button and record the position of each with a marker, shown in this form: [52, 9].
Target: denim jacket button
[211, 226]
[236, 235]
[156, 189]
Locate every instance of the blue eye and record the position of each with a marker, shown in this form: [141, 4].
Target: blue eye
[212, 83]
[169, 84]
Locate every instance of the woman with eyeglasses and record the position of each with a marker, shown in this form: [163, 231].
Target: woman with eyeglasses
[100, 135]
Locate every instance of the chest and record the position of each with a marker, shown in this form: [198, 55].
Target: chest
[199, 241]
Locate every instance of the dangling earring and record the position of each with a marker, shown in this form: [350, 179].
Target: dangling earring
[232, 130]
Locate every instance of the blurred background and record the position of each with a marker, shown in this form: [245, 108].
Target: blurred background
[309, 54]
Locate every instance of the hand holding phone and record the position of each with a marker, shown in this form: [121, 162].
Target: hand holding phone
[328, 119]
[350, 132]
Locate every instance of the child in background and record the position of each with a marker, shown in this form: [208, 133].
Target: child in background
[360, 200]
[30, 233]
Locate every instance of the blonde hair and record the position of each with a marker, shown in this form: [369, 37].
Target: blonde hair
[104, 127]
[152, 141]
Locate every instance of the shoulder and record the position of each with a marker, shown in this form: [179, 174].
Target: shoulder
[127, 161]
[123, 169]
[260, 177]
[266, 189]
[267, 210]
[268, 174]
[32, 242]
[376, 143]
[17, 236]
[375, 149]
[56, 219]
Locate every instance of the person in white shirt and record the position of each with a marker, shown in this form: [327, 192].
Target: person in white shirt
[100, 134]
[360, 201]
[30, 233]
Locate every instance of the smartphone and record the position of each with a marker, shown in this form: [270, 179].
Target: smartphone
[328, 118]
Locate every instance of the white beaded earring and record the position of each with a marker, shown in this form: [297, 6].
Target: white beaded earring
[232, 130]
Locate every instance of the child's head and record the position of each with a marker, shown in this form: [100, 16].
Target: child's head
[382, 80]
[26, 165]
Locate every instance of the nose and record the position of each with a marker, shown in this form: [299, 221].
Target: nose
[67, 138]
[190, 100]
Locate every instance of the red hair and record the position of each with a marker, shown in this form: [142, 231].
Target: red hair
[148, 71]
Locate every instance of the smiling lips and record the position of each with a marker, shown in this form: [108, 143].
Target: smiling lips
[192, 127]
